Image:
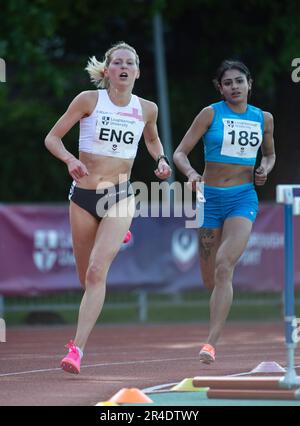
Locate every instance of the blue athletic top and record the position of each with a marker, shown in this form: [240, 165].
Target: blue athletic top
[234, 137]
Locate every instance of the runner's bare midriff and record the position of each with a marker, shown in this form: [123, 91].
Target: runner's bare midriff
[104, 171]
[225, 175]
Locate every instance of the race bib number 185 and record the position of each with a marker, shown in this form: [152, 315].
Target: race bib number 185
[241, 138]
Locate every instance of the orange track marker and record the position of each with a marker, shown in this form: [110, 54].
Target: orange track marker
[130, 396]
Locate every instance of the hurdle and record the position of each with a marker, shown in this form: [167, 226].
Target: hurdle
[252, 394]
[285, 387]
[237, 383]
[228, 387]
[289, 195]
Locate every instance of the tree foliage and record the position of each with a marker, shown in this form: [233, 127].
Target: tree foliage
[46, 45]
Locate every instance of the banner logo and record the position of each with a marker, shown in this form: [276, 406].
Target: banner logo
[52, 248]
[184, 248]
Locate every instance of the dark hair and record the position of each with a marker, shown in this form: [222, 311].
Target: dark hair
[230, 64]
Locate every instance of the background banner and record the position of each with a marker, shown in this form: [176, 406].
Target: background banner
[36, 253]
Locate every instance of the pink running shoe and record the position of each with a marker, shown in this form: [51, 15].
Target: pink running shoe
[207, 354]
[71, 362]
[127, 237]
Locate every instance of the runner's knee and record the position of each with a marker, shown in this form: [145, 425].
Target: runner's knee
[96, 273]
[224, 271]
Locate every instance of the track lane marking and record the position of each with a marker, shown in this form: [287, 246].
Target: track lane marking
[98, 365]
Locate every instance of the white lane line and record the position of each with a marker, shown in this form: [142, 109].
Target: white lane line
[29, 372]
[18, 373]
[243, 374]
[158, 388]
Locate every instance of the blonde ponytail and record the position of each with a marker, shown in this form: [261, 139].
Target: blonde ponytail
[96, 72]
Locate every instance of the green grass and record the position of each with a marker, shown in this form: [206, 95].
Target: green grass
[123, 308]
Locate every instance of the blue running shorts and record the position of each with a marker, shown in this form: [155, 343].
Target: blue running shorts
[222, 203]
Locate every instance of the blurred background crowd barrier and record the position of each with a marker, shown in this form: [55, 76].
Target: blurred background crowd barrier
[161, 259]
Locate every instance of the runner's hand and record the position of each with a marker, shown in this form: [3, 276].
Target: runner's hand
[163, 170]
[193, 178]
[76, 169]
[260, 176]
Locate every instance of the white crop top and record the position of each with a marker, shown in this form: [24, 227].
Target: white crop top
[112, 130]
